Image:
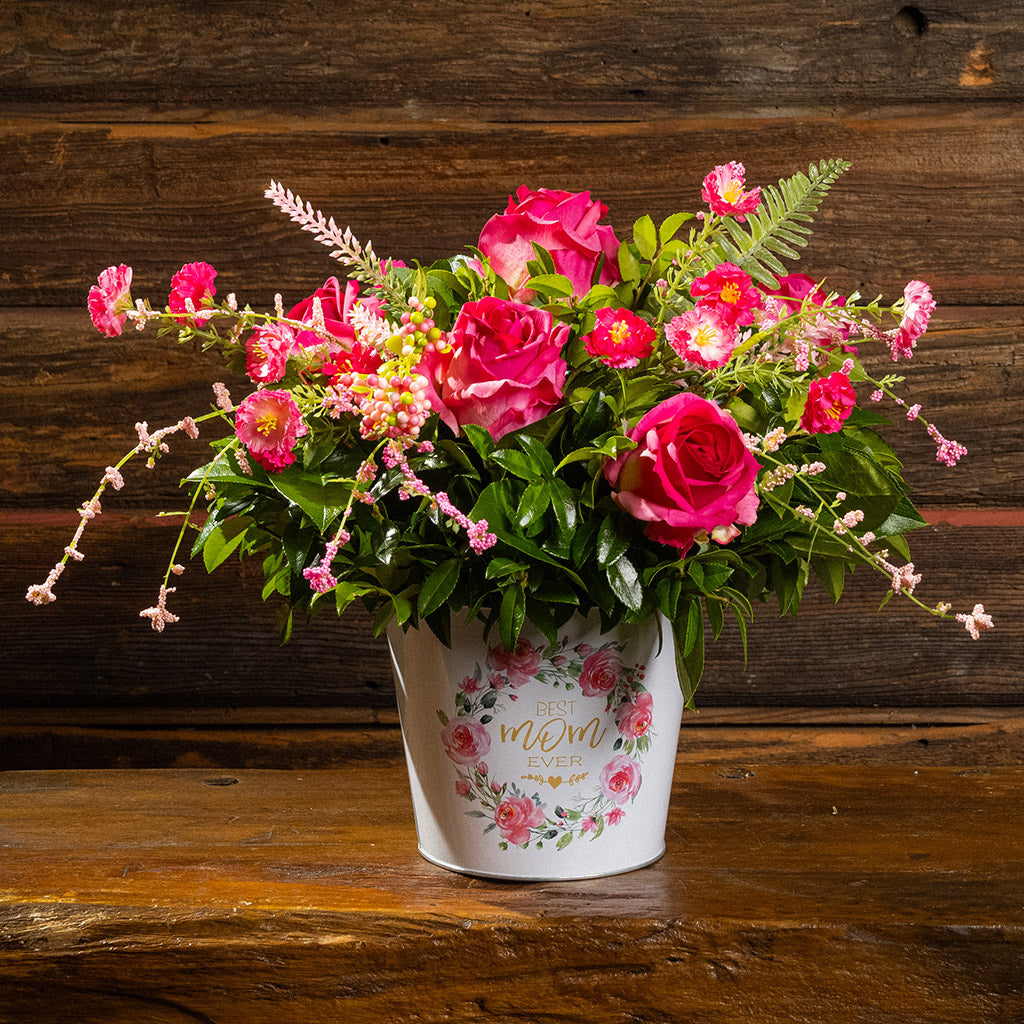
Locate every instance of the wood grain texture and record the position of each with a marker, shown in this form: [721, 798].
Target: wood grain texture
[158, 196]
[90, 647]
[802, 893]
[507, 61]
[29, 745]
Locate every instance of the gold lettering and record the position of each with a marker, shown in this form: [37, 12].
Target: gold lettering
[577, 735]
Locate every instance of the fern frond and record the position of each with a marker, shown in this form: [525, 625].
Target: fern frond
[783, 222]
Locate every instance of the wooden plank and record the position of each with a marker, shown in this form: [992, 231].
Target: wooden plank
[179, 744]
[157, 197]
[72, 397]
[90, 648]
[516, 62]
[288, 897]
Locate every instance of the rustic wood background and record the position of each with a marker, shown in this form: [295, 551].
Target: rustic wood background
[145, 133]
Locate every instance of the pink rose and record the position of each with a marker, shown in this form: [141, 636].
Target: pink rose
[465, 740]
[268, 423]
[462, 787]
[690, 473]
[337, 305]
[830, 400]
[620, 779]
[504, 370]
[110, 299]
[634, 717]
[600, 672]
[193, 282]
[563, 223]
[518, 666]
[515, 816]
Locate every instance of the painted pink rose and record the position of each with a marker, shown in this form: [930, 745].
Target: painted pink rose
[563, 223]
[600, 673]
[266, 352]
[110, 299]
[504, 370]
[690, 473]
[465, 740]
[620, 779]
[518, 666]
[634, 717]
[194, 282]
[830, 400]
[515, 816]
[268, 423]
[462, 787]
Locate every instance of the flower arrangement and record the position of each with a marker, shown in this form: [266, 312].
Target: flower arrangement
[556, 420]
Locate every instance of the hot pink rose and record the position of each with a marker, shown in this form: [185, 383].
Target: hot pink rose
[515, 816]
[634, 717]
[110, 299]
[564, 223]
[465, 740]
[690, 472]
[620, 779]
[830, 400]
[337, 304]
[600, 672]
[518, 666]
[268, 423]
[505, 369]
[193, 282]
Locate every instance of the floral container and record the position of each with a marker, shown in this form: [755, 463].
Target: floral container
[550, 762]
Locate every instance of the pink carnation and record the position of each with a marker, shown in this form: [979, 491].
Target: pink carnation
[702, 336]
[830, 400]
[918, 306]
[729, 291]
[620, 338]
[267, 352]
[268, 423]
[193, 282]
[723, 192]
[110, 299]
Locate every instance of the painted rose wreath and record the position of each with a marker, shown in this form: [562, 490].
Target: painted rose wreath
[523, 819]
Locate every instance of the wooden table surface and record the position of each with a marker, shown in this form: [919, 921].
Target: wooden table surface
[788, 893]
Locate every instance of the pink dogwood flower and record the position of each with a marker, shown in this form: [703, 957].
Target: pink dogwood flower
[268, 423]
[723, 192]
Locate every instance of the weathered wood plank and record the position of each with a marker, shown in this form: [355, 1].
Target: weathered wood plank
[139, 744]
[90, 648]
[157, 197]
[71, 398]
[162, 897]
[507, 62]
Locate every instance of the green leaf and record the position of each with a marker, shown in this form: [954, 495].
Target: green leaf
[511, 615]
[670, 225]
[224, 539]
[646, 237]
[516, 462]
[832, 574]
[688, 634]
[629, 268]
[438, 586]
[533, 504]
[321, 498]
[625, 583]
[480, 439]
[564, 841]
[611, 543]
[498, 567]
[551, 284]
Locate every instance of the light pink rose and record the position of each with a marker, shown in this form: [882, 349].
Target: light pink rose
[505, 368]
[465, 740]
[620, 779]
[518, 666]
[110, 299]
[564, 223]
[515, 816]
[690, 472]
[600, 672]
[634, 717]
[268, 423]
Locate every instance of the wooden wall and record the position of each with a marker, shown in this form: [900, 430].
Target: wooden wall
[145, 133]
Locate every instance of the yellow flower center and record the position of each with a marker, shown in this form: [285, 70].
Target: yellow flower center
[705, 336]
[267, 424]
[733, 192]
[730, 292]
[619, 332]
